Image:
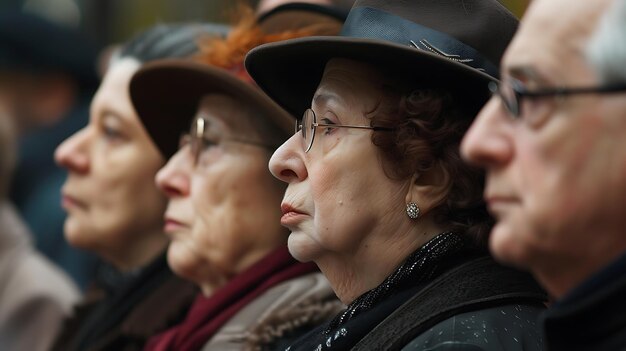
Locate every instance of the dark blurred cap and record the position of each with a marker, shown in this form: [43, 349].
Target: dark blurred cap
[29, 43]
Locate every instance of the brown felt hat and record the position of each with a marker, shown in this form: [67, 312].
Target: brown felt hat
[451, 44]
[166, 94]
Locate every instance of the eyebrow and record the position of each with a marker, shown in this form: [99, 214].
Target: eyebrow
[527, 73]
[323, 99]
[108, 113]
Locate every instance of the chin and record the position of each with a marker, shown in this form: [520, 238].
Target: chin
[507, 247]
[303, 248]
[75, 235]
[181, 262]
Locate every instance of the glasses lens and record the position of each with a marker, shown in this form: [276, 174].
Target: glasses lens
[308, 129]
[197, 134]
[509, 98]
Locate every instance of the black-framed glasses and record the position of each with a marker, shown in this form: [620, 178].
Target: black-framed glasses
[514, 92]
[308, 123]
[199, 139]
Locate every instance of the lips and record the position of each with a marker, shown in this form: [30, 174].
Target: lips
[69, 202]
[497, 204]
[173, 225]
[291, 215]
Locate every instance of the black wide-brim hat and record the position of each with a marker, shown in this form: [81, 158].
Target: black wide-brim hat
[166, 95]
[451, 44]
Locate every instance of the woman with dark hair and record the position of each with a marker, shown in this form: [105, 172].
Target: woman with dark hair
[114, 212]
[377, 195]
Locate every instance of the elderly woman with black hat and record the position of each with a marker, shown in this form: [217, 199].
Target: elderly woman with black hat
[224, 205]
[377, 194]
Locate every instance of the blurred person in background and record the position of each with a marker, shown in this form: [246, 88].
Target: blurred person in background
[265, 6]
[114, 211]
[377, 194]
[224, 205]
[35, 296]
[47, 78]
[553, 142]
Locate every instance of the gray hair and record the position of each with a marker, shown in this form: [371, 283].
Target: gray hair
[168, 41]
[7, 153]
[606, 50]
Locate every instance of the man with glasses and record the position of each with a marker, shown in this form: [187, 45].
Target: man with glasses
[553, 142]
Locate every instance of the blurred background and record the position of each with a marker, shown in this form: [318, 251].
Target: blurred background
[110, 21]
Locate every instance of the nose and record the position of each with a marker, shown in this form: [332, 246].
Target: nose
[487, 143]
[73, 154]
[174, 179]
[287, 162]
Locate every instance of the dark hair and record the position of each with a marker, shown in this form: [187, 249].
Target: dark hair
[169, 41]
[428, 127]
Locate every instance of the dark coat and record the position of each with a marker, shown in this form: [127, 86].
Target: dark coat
[124, 318]
[592, 316]
[470, 304]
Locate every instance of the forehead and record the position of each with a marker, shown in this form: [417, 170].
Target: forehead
[551, 39]
[346, 73]
[118, 76]
[354, 83]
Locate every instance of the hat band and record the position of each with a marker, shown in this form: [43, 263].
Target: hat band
[372, 23]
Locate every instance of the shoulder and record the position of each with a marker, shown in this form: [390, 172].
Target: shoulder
[49, 285]
[281, 313]
[508, 327]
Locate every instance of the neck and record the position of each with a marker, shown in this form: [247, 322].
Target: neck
[219, 280]
[354, 273]
[561, 275]
[141, 252]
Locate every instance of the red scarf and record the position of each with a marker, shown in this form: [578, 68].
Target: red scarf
[208, 314]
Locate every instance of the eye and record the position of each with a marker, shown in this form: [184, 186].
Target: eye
[208, 142]
[327, 129]
[112, 134]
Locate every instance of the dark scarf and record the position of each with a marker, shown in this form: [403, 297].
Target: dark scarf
[369, 309]
[592, 316]
[208, 314]
[96, 322]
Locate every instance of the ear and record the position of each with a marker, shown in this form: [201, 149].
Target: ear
[428, 190]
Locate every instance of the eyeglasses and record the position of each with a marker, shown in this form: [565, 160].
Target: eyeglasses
[199, 141]
[512, 94]
[308, 124]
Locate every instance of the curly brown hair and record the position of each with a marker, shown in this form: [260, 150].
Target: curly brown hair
[428, 125]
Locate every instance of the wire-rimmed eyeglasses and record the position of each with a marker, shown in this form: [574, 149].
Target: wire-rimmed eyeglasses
[308, 123]
[199, 139]
[514, 92]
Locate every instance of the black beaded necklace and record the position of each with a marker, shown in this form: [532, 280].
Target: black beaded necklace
[418, 267]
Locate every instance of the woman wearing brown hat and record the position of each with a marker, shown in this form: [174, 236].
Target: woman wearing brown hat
[224, 205]
[377, 194]
[114, 212]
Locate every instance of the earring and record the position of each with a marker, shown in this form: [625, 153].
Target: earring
[412, 210]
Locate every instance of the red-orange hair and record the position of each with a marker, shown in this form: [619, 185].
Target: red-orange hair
[246, 34]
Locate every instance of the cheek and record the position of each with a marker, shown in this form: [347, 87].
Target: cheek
[559, 183]
[127, 201]
[219, 198]
[184, 260]
[344, 202]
